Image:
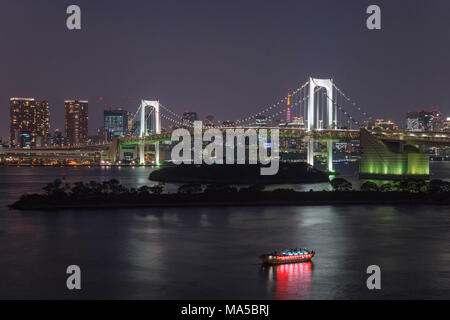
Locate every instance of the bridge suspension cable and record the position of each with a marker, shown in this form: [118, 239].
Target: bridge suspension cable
[281, 102]
[182, 124]
[170, 111]
[300, 98]
[353, 103]
[348, 115]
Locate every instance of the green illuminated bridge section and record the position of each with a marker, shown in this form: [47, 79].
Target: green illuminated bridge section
[392, 159]
[429, 138]
[385, 158]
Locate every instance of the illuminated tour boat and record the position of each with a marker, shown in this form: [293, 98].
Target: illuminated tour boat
[287, 256]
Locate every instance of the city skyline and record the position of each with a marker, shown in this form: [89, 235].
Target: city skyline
[214, 151]
[196, 66]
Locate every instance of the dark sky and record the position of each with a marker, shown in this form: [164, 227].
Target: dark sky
[227, 58]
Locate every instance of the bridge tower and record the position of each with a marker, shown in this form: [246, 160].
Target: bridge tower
[328, 85]
[155, 108]
[331, 117]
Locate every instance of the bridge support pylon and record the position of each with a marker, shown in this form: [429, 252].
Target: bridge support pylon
[157, 153]
[310, 154]
[330, 155]
[328, 85]
[141, 152]
[143, 132]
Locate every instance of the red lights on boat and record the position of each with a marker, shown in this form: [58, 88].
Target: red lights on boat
[274, 258]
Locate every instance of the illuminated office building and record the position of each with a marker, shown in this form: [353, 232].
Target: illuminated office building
[116, 122]
[424, 120]
[76, 122]
[29, 122]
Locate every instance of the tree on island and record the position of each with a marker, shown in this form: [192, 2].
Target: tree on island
[439, 186]
[412, 186]
[158, 189]
[219, 188]
[369, 186]
[340, 184]
[143, 191]
[387, 187]
[255, 188]
[190, 189]
[56, 188]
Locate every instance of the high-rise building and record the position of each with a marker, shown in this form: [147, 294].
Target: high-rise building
[29, 122]
[130, 123]
[447, 124]
[423, 120]
[116, 122]
[58, 139]
[76, 121]
[418, 121]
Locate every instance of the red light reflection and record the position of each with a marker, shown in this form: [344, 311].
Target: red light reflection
[292, 281]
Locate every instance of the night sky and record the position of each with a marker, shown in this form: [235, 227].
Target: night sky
[226, 58]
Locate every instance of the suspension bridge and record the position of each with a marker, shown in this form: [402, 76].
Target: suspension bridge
[317, 111]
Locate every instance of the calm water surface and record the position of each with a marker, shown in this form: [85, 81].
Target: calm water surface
[211, 253]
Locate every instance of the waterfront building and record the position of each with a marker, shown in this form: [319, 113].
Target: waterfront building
[130, 117]
[76, 122]
[424, 120]
[385, 125]
[116, 122]
[447, 124]
[29, 119]
[58, 139]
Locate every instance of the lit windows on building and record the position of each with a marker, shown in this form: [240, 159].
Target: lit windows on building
[424, 120]
[31, 119]
[385, 125]
[116, 122]
[76, 122]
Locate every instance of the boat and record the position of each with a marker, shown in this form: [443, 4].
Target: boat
[287, 256]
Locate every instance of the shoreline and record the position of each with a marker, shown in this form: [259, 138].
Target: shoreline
[237, 199]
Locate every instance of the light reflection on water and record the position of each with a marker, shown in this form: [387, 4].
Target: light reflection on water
[289, 280]
[212, 253]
